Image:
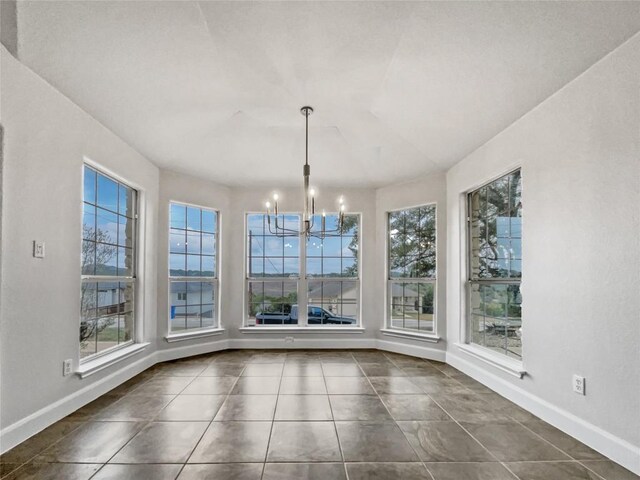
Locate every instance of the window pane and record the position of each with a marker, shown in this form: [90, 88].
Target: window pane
[107, 226]
[177, 265]
[88, 258]
[178, 216]
[193, 266]
[496, 321]
[208, 244]
[177, 241]
[177, 294]
[332, 302]
[272, 303]
[209, 221]
[193, 243]
[89, 192]
[106, 259]
[208, 266]
[89, 222]
[107, 193]
[412, 306]
[193, 218]
[125, 201]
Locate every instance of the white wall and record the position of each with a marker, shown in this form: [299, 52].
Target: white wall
[580, 157]
[46, 139]
[429, 190]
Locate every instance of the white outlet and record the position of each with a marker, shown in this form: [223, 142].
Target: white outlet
[38, 249]
[289, 339]
[578, 384]
[66, 367]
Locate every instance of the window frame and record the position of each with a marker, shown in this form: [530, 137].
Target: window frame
[470, 280]
[132, 279]
[302, 279]
[194, 279]
[390, 281]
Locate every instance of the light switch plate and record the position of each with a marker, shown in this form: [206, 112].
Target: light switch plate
[38, 249]
[578, 384]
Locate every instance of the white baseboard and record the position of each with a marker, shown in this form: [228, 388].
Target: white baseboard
[617, 449]
[175, 353]
[612, 447]
[299, 342]
[25, 428]
[421, 351]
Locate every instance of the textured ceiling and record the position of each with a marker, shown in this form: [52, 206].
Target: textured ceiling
[401, 89]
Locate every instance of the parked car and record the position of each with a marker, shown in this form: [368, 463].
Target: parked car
[315, 316]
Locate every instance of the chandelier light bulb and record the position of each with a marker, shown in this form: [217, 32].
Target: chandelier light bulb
[324, 214]
[341, 200]
[268, 205]
[312, 192]
[342, 207]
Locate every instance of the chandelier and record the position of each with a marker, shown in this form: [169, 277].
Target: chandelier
[309, 211]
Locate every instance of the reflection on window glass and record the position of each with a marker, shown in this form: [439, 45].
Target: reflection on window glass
[495, 265]
[273, 302]
[192, 267]
[332, 302]
[412, 268]
[108, 242]
[412, 305]
[335, 254]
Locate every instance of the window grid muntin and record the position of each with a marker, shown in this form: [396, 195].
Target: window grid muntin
[421, 317]
[476, 280]
[346, 240]
[262, 279]
[189, 277]
[293, 240]
[90, 277]
[301, 278]
[422, 233]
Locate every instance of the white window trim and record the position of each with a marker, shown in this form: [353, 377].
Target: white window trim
[396, 332]
[302, 280]
[94, 365]
[139, 259]
[512, 366]
[496, 360]
[301, 329]
[180, 334]
[388, 329]
[191, 334]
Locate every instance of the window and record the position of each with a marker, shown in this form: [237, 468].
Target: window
[319, 274]
[193, 277]
[412, 269]
[332, 272]
[495, 265]
[273, 271]
[108, 264]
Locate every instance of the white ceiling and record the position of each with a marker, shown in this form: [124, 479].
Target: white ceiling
[401, 89]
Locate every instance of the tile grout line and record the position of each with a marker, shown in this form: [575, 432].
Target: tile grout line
[273, 421]
[214, 416]
[335, 427]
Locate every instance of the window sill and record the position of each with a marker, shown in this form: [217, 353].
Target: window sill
[94, 366]
[425, 337]
[276, 330]
[505, 364]
[178, 337]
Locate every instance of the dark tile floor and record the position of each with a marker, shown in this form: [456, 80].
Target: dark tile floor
[334, 415]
